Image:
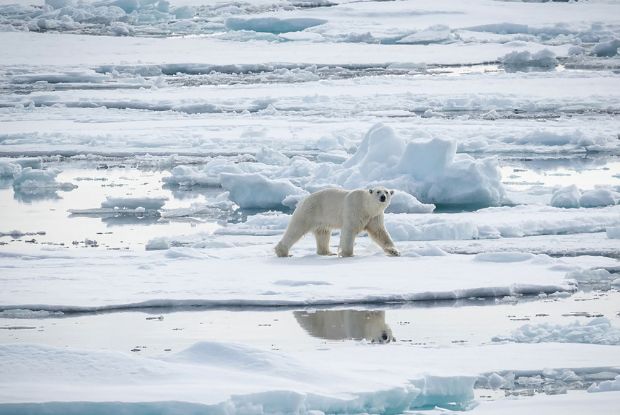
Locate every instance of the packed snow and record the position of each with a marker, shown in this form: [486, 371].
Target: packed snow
[152, 153]
[597, 331]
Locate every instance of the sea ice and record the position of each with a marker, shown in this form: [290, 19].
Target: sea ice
[429, 170]
[518, 61]
[572, 197]
[9, 169]
[606, 386]
[596, 331]
[613, 232]
[597, 198]
[256, 191]
[608, 48]
[31, 181]
[272, 24]
[151, 203]
[566, 197]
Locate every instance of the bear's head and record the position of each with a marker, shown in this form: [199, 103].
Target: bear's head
[382, 194]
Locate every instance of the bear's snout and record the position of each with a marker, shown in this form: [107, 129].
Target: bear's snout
[382, 198]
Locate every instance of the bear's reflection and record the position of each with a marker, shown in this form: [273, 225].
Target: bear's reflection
[346, 324]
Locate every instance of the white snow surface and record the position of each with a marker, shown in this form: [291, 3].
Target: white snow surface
[280, 98]
[567, 404]
[597, 331]
[211, 278]
[258, 381]
[490, 223]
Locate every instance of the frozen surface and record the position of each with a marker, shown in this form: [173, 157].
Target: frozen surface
[124, 282]
[246, 374]
[144, 142]
[597, 331]
[577, 403]
[489, 223]
[606, 386]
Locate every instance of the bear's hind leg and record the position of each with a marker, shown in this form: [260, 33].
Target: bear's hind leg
[322, 236]
[291, 236]
[347, 239]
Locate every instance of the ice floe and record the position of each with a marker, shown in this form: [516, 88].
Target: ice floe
[597, 331]
[606, 386]
[489, 223]
[541, 60]
[410, 278]
[572, 197]
[31, 183]
[613, 232]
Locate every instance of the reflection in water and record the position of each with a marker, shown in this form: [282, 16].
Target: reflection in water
[346, 324]
[5, 182]
[192, 192]
[35, 195]
[125, 220]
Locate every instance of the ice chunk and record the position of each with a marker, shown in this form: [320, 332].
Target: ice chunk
[121, 29]
[597, 198]
[209, 175]
[59, 4]
[9, 169]
[379, 148]
[402, 229]
[597, 331]
[495, 381]
[32, 162]
[184, 12]
[433, 34]
[607, 49]
[33, 182]
[150, 203]
[159, 243]
[566, 197]
[427, 159]
[270, 223]
[272, 24]
[405, 203]
[518, 61]
[606, 386]
[444, 391]
[613, 232]
[255, 191]
[590, 275]
[429, 170]
[271, 156]
[26, 313]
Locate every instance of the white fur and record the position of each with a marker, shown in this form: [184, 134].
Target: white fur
[351, 211]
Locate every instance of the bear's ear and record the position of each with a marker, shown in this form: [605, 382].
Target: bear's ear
[391, 192]
[370, 191]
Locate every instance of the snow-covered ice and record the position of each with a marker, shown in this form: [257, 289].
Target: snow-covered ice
[597, 331]
[151, 155]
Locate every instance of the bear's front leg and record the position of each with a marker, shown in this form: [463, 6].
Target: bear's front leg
[377, 232]
[346, 244]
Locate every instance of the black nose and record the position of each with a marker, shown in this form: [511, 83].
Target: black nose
[383, 198]
[384, 336]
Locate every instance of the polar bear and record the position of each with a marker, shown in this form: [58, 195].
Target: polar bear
[351, 211]
[346, 324]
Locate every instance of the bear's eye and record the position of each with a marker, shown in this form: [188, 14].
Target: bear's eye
[370, 190]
